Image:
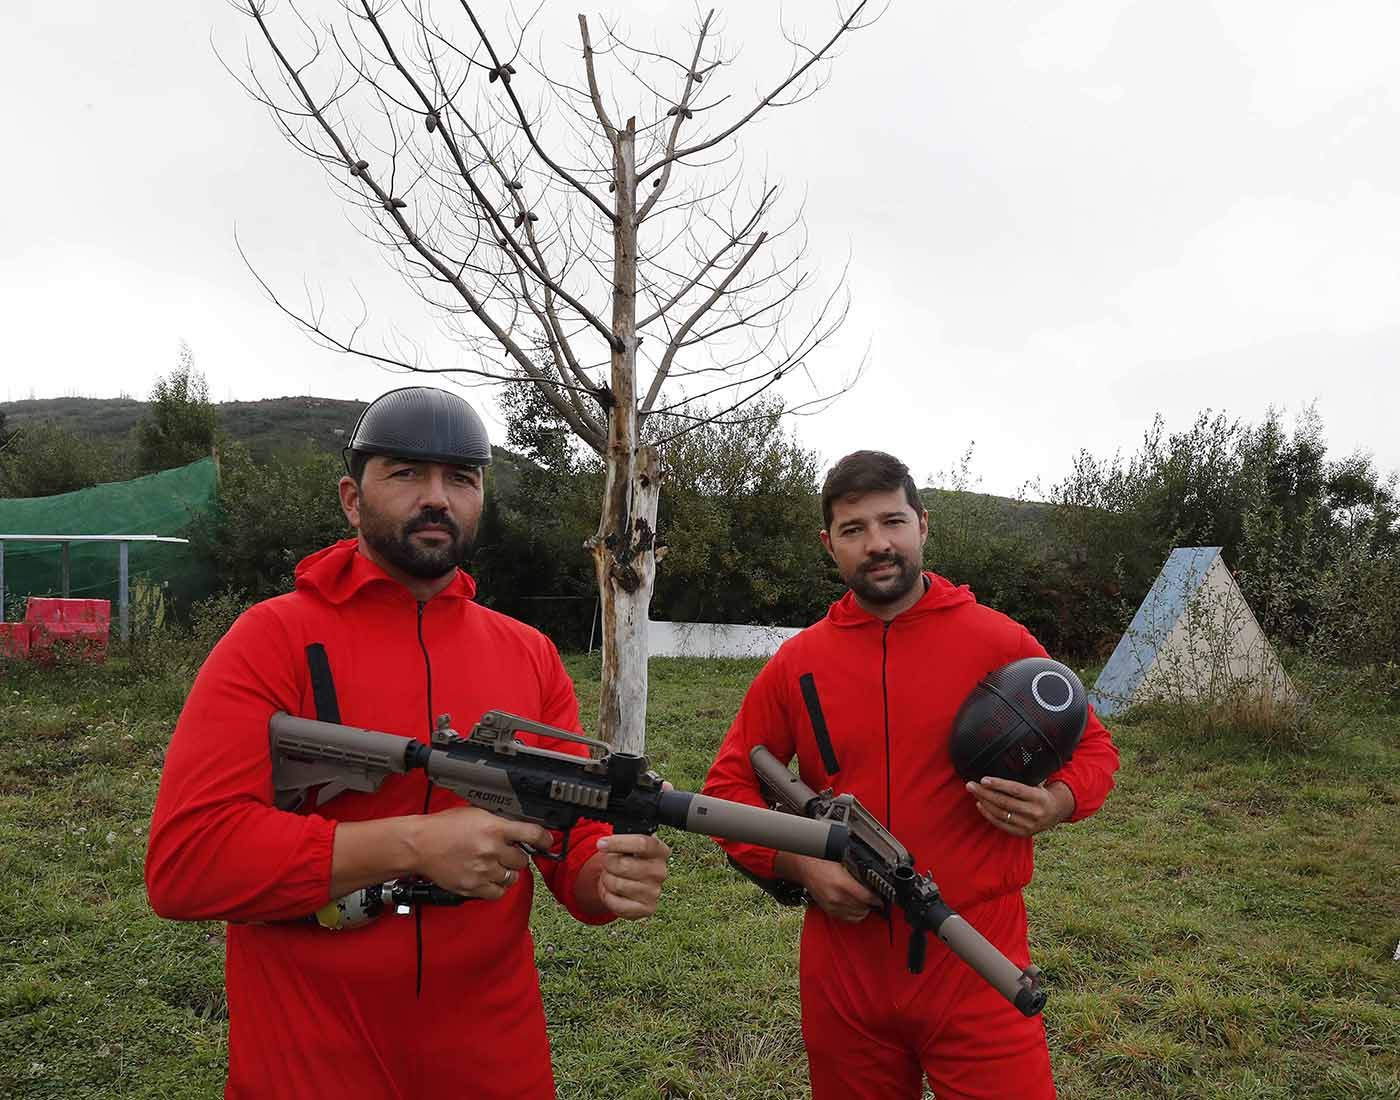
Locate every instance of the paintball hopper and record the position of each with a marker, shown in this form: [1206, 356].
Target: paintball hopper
[1021, 722]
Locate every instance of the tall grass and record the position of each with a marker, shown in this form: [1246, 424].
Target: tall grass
[1224, 928]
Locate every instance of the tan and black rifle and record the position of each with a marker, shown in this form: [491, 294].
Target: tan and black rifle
[491, 768]
[879, 862]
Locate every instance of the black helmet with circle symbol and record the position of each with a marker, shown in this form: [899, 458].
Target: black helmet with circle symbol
[1021, 722]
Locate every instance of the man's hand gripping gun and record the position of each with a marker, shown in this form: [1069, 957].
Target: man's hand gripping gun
[878, 861]
[493, 770]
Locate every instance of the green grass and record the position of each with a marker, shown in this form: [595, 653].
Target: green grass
[1224, 928]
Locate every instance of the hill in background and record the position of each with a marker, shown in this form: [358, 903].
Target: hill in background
[293, 424]
[281, 424]
[266, 427]
[275, 425]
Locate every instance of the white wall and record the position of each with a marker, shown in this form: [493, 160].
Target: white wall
[715, 639]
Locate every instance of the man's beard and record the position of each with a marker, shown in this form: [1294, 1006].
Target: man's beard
[397, 547]
[887, 590]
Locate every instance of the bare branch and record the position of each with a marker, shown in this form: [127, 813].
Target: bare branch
[594, 94]
[680, 112]
[848, 24]
[500, 69]
[492, 215]
[393, 207]
[704, 307]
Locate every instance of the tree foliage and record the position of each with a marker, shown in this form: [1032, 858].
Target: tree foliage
[181, 423]
[1313, 541]
[40, 459]
[269, 516]
[738, 518]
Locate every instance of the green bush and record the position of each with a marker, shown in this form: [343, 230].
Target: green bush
[42, 459]
[738, 517]
[180, 425]
[269, 516]
[1314, 543]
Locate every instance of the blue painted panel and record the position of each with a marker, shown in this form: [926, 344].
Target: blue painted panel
[1183, 573]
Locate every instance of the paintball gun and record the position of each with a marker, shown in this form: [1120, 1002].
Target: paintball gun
[878, 861]
[494, 770]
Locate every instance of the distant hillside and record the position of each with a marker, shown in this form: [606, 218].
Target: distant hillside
[1004, 514]
[273, 426]
[292, 423]
[106, 418]
[266, 427]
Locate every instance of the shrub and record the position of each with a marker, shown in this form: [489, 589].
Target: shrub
[179, 426]
[42, 459]
[1315, 544]
[268, 517]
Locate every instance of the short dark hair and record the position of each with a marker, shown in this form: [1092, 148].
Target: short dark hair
[864, 472]
[355, 463]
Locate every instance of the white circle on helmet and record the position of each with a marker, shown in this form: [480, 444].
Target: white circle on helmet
[1051, 707]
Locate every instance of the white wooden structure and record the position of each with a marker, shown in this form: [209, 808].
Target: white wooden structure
[1194, 637]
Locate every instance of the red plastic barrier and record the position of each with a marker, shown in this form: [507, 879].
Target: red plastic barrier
[14, 640]
[50, 609]
[80, 625]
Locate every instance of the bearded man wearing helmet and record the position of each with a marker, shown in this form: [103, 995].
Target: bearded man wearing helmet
[381, 631]
[866, 700]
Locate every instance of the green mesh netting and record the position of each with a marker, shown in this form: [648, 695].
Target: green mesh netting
[158, 504]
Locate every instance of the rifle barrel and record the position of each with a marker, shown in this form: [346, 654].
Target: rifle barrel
[786, 787]
[699, 813]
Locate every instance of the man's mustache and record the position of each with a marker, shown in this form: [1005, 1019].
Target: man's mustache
[433, 519]
[881, 559]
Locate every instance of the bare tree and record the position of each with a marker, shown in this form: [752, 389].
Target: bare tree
[624, 269]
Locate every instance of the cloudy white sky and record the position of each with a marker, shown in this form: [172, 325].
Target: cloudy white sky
[1062, 218]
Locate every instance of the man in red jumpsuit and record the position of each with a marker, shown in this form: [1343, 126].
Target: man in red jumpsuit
[889, 666]
[381, 632]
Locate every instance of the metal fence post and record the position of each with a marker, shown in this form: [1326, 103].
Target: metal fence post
[123, 620]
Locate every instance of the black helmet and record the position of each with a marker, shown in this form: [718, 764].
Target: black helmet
[424, 423]
[1021, 722]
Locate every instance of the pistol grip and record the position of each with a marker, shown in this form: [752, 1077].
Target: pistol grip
[918, 950]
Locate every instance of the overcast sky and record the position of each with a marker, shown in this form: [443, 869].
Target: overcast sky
[1061, 218]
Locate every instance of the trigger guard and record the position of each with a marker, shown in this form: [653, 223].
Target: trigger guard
[545, 853]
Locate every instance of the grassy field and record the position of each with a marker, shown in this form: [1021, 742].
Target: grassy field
[1223, 928]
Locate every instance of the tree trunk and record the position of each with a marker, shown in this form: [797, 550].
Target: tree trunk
[623, 548]
[626, 576]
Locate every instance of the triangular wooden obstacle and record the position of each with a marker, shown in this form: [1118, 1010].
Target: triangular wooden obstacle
[1193, 638]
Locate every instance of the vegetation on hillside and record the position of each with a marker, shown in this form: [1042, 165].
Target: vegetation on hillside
[1313, 539]
[267, 427]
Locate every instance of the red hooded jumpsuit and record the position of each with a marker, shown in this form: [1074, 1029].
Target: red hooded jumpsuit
[889, 692]
[335, 1013]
